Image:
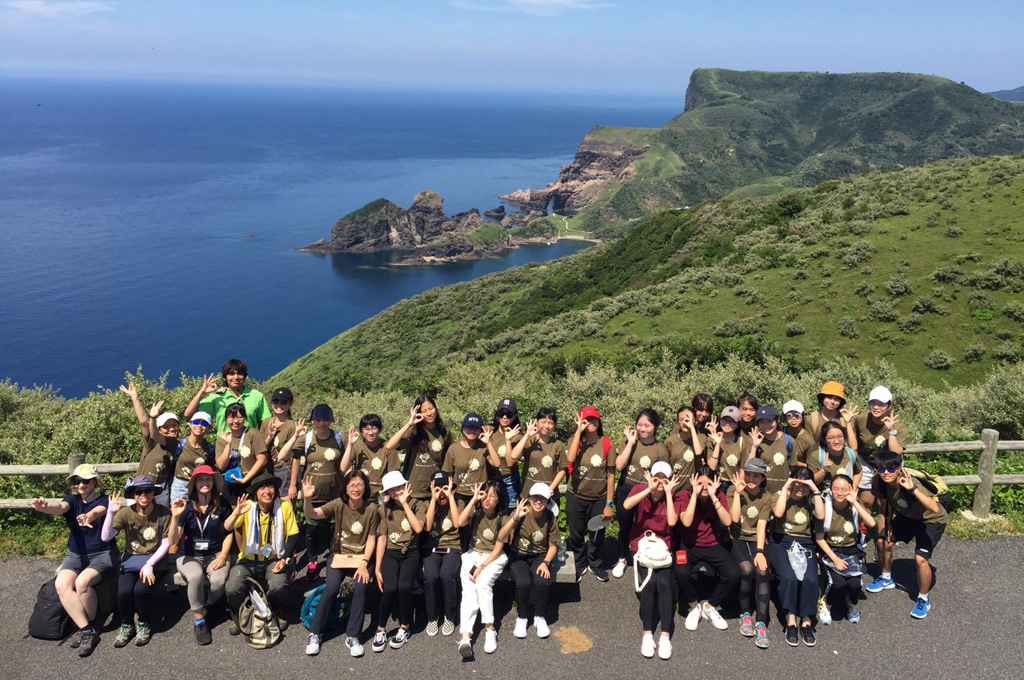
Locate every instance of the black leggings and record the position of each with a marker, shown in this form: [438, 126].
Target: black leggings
[624, 518]
[531, 587]
[441, 570]
[317, 534]
[356, 611]
[839, 587]
[586, 545]
[656, 599]
[725, 566]
[135, 597]
[398, 572]
[750, 577]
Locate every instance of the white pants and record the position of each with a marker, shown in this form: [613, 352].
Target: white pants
[478, 596]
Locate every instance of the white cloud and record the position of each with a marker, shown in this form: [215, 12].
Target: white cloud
[58, 10]
[541, 7]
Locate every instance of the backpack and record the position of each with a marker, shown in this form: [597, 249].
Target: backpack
[651, 552]
[934, 484]
[255, 618]
[849, 466]
[312, 602]
[606, 443]
[207, 448]
[49, 621]
[309, 441]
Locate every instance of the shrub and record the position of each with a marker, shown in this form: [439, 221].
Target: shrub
[1007, 351]
[939, 360]
[882, 310]
[847, 327]
[974, 353]
[794, 329]
[898, 286]
[1014, 310]
[979, 300]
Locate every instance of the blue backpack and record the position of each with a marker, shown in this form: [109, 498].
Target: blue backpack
[310, 605]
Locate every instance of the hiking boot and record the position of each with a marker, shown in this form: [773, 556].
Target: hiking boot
[124, 635]
[761, 635]
[75, 639]
[711, 614]
[380, 641]
[354, 646]
[490, 640]
[399, 639]
[466, 648]
[88, 641]
[619, 570]
[447, 627]
[921, 608]
[824, 614]
[202, 631]
[807, 632]
[282, 621]
[313, 644]
[792, 638]
[746, 625]
[880, 584]
[144, 634]
[693, 618]
[432, 628]
[599, 573]
[233, 628]
[853, 613]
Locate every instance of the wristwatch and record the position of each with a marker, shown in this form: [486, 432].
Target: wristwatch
[893, 433]
[547, 563]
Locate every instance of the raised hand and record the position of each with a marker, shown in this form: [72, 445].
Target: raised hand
[178, 506]
[891, 420]
[581, 423]
[307, 487]
[737, 479]
[630, 434]
[244, 504]
[757, 436]
[531, 428]
[209, 384]
[485, 436]
[849, 413]
[716, 483]
[353, 435]
[905, 480]
[715, 436]
[511, 432]
[478, 493]
[273, 428]
[130, 391]
[695, 482]
[415, 416]
[787, 486]
[672, 484]
[40, 503]
[154, 410]
[402, 494]
[652, 483]
[522, 507]
[301, 428]
[225, 438]
[114, 501]
[713, 425]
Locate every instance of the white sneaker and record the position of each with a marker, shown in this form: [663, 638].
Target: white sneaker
[540, 625]
[824, 614]
[313, 644]
[647, 646]
[466, 648]
[490, 640]
[711, 614]
[664, 648]
[619, 570]
[354, 648]
[431, 628]
[520, 630]
[693, 618]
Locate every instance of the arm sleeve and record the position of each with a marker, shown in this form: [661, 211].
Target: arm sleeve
[158, 555]
[108, 531]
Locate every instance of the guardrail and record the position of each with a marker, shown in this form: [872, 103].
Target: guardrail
[989, 445]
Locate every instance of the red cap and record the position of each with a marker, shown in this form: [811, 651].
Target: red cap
[590, 412]
[203, 470]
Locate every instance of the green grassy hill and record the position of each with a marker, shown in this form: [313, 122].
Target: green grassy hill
[922, 267]
[1014, 95]
[758, 133]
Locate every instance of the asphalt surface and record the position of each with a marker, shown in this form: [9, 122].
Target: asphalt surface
[972, 631]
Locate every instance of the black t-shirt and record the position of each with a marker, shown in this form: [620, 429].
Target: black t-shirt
[205, 527]
[83, 540]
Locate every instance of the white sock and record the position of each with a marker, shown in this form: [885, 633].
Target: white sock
[887, 574]
[923, 596]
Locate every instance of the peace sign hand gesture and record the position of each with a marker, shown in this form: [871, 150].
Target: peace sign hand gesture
[130, 391]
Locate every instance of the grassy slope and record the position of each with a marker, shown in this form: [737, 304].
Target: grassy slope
[737, 276]
[766, 132]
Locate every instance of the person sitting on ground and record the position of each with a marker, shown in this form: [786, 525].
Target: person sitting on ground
[842, 551]
[352, 555]
[266, 534]
[146, 527]
[703, 517]
[908, 510]
[321, 462]
[89, 558]
[215, 400]
[482, 564]
[532, 536]
[590, 491]
[441, 554]
[203, 523]
[241, 453]
[751, 511]
[654, 506]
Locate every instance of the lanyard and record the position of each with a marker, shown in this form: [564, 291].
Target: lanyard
[202, 525]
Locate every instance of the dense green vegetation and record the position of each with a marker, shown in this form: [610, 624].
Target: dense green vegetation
[1014, 95]
[758, 133]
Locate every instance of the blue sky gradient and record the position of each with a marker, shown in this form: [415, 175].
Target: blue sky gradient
[534, 46]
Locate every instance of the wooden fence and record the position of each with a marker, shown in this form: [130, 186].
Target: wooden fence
[989, 445]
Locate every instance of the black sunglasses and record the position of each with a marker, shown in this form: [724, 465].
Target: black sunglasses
[888, 470]
[504, 413]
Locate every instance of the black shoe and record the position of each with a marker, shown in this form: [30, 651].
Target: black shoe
[808, 635]
[88, 642]
[202, 632]
[791, 636]
[599, 573]
[233, 628]
[282, 622]
[75, 640]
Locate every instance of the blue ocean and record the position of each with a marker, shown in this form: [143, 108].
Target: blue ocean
[155, 224]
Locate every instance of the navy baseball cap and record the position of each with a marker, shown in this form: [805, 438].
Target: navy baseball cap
[766, 413]
[508, 404]
[472, 420]
[322, 412]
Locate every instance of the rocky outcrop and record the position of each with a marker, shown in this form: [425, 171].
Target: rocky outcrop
[597, 163]
[383, 225]
[519, 219]
[495, 212]
[458, 248]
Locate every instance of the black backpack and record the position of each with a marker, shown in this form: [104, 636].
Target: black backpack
[49, 621]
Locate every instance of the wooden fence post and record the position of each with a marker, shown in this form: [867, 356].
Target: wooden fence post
[74, 460]
[986, 470]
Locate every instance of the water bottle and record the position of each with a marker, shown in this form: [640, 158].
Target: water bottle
[560, 558]
[798, 560]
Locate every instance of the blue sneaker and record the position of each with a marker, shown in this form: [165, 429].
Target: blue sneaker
[880, 584]
[921, 608]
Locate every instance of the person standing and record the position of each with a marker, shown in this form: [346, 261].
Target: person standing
[751, 510]
[424, 438]
[590, 491]
[215, 399]
[506, 434]
[241, 452]
[842, 552]
[277, 431]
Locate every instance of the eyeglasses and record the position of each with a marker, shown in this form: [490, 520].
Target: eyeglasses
[837, 438]
[888, 470]
[538, 499]
[793, 415]
[370, 427]
[204, 423]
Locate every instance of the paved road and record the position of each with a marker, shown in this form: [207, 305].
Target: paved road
[973, 631]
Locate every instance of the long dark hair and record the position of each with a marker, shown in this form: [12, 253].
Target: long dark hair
[419, 430]
[497, 425]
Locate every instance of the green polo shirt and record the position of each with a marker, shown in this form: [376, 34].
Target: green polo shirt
[256, 407]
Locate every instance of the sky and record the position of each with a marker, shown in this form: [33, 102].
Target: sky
[644, 47]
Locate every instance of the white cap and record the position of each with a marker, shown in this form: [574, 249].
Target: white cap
[164, 417]
[542, 489]
[392, 480]
[882, 394]
[202, 415]
[791, 406]
[661, 468]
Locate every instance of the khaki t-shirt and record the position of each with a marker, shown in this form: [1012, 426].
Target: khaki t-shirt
[533, 534]
[641, 460]
[156, 459]
[352, 528]
[395, 525]
[284, 433]
[732, 456]
[503, 446]
[444, 533]
[143, 533]
[376, 461]
[842, 530]
[799, 517]
[683, 457]
[753, 508]
[467, 466]
[813, 422]
[904, 502]
[322, 464]
[190, 458]
[484, 531]
[775, 456]
[250, 445]
[834, 464]
[588, 480]
[424, 461]
[871, 435]
[541, 462]
[804, 447]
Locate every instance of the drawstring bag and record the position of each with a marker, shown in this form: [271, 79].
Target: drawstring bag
[798, 559]
[651, 552]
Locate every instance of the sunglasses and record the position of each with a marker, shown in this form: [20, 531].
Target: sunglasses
[204, 423]
[888, 470]
[794, 415]
[280, 402]
[145, 492]
[503, 413]
[76, 481]
[538, 499]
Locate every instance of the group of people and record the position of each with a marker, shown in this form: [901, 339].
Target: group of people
[747, 499]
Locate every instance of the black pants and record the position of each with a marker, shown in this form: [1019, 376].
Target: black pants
[398, 572]
[750, 578]
[441, 572]
[624, 518]
[318, 535]
[135, 597]
[656, 601]
[586, 548]
[796, 596]
[356, 610]
[725, 566]
[840, 588]
[531, 587]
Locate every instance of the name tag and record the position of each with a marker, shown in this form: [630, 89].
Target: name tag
[266, 551]
[202, 544]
